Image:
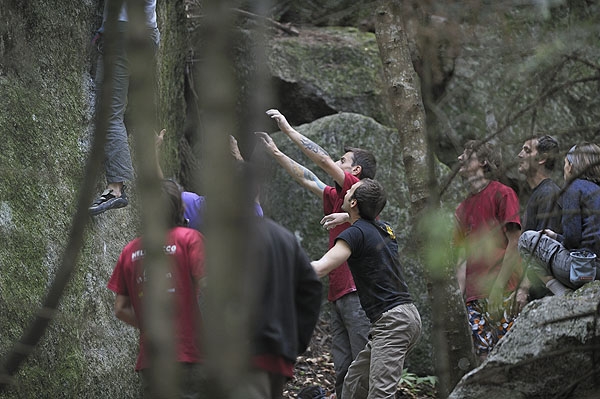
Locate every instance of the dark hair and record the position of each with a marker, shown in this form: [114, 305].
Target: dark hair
[486, 153]
[371, 198]
[248, 175]
[366, 160]
[171, 199]
[547, 147]
[585, 159]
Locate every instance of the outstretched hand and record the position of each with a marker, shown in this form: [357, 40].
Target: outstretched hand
[235, 150]
[334, 219]
[267, 141]
[280, 119]
[158, 140]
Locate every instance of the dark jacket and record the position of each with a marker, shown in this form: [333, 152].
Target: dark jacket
[289, 293]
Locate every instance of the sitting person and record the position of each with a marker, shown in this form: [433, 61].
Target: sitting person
[549, 251]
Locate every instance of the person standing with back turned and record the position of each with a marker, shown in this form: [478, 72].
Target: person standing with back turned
[184, 248]
[349, 324]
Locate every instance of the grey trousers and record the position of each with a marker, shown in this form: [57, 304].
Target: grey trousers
[547, 256]
[349, 329]
[117, 157]
[377, 370]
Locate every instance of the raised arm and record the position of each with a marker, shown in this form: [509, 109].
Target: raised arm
[337, 255]
[312, 150]
[301, 174]
[158, 140]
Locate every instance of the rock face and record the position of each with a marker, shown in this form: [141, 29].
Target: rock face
[551, 351]
[46, 115]
[327, 70]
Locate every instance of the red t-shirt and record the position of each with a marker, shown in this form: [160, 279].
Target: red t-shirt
[340, 279]
[185, 249]
[482, 220]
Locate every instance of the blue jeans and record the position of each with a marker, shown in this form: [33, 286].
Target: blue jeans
[117, 157]
[377, 370]
[349, 329]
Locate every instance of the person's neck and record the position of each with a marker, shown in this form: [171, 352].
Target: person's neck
[536, 179]
[354, 216]
[478, 184]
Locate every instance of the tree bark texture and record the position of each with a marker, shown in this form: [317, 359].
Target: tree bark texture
[451, 336]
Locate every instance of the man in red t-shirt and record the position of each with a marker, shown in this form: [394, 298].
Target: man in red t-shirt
[488, 229]
[185, 252]
[349, 324]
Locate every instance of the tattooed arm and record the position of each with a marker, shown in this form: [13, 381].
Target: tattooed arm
[301, 174]
[312, 150]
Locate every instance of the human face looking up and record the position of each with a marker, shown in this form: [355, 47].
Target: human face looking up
[469, 164]
[346, 162]
[528, 157]
[349, 197]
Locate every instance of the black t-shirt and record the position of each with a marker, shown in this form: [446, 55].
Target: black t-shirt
[375, 267]
[543, 209]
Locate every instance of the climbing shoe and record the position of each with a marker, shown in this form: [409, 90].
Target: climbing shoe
[108, 201]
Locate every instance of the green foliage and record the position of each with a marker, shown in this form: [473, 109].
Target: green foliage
[415, 384]
[437, 230]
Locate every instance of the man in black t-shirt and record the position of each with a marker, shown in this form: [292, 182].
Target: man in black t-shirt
[371, 250]
[537, 160]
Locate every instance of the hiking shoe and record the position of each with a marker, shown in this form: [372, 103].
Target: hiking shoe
[108, 201]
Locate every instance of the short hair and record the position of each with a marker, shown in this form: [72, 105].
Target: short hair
[486, 152]
[585, 159]
[171, 200]
[547, 147]
[371, 198]
[366, 160]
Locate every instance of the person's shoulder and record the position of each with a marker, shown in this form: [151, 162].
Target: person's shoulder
[185, 233]
[191, 196]
[497, 187]
[271, 225]
[584, 186]
[350, 180]
[549, 185]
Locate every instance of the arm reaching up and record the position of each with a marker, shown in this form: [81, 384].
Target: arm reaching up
[235, 150]
[158, 140]
[301, 174]
[312, 150]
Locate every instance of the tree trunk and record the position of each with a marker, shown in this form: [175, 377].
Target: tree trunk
[452, 341]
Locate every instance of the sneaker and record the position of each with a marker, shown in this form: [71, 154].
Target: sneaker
[108, 201]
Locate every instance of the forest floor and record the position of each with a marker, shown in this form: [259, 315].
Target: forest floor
[315, 367]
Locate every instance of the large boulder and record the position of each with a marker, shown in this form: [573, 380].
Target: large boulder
[327, 70]
[46, 120]
[550, 352]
